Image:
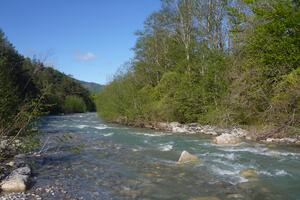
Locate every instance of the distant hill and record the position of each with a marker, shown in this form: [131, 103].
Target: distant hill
[92, 87]
[29, 86]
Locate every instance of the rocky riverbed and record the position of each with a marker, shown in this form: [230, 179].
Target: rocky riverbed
[228, 135]
[17, 177]
[82, 157]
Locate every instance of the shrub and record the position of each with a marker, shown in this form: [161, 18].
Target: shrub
[74, 104]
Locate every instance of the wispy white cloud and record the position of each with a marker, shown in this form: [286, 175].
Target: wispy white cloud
[85, 56]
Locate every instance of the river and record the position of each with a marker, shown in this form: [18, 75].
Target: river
[88, 158]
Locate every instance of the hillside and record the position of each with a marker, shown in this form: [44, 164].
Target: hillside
[91, 86]
[58, 87]
[29, 88]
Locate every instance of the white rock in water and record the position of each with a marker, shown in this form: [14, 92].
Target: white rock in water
[227, 139]
[187, 157]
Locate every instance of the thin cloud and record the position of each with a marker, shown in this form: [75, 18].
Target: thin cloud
[85, 56]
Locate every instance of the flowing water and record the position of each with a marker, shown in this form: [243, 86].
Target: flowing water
[91, 159]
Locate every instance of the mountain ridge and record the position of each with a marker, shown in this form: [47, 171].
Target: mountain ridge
[91, 86]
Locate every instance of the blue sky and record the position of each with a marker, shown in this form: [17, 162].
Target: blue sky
[89, 39]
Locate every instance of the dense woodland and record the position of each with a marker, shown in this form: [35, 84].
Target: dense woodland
[28, 89]
[224, 62]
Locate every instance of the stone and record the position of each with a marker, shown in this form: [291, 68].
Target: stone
[14, 184]
[235, 196]
[211, 133]
[22, 171]
[269, 140]
[238, 132]
[20, 156]
[205, 198]
[162, 126]
[11, 163]
[187, 157]
[3, 143]
[176, 127]
[282, 140]
[17, 180]
[227, 139]
[248, 137]
[249, 173]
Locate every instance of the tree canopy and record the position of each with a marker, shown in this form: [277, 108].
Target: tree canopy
[219, 62]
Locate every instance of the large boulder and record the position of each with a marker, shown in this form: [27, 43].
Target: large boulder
[227, 139]
[15, 184]
[187, 157]
[17, 181]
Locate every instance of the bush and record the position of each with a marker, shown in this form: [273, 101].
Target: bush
[74, 104]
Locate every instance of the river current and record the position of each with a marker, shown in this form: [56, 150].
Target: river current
[91, 159]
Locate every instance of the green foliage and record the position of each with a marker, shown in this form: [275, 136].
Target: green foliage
[16, 88]
[270, 57]
[74, 104]
[285, 102]
[29, 89]
[234, 63]
[57, 86]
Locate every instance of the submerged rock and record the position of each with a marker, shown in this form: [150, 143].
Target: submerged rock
[17, 181]
[187, 157]
[235, 196]
[226, 139]
[248, 173]
[205, 198]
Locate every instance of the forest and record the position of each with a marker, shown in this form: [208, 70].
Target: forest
[221, 62]
[29, 89]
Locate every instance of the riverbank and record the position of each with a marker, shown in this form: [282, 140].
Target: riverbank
[252, 134]
[17, 176]
[15, 171]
